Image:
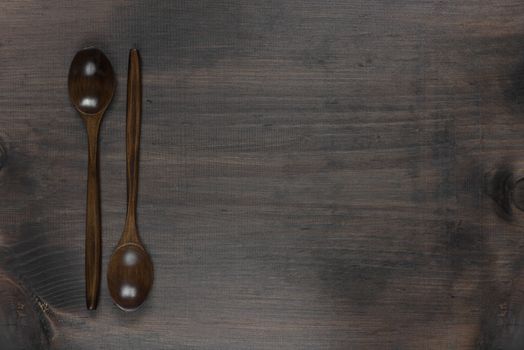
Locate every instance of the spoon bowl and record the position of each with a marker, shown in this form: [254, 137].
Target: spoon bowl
[91, 81]
[130, 276]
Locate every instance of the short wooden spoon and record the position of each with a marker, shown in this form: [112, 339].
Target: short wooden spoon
[130, 271]
[91, 86]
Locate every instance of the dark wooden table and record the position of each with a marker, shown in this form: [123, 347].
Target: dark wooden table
[314, 174]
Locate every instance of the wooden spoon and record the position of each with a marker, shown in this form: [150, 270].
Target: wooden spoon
[91, 85]
[130, 272]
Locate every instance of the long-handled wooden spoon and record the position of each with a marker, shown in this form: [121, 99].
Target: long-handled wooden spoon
[130, 271]
[91, 86]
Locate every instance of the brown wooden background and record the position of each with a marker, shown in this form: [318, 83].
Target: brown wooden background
[314, 174]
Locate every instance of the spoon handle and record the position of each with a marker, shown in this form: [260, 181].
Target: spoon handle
[93, 230]
[134, 111]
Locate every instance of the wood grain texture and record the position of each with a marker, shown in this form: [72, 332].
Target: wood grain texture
[314, 174]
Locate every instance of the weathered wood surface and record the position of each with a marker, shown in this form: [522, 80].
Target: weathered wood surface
[314, 174]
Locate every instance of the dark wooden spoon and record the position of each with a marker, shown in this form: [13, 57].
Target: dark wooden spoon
[130, 271]
[91, 85]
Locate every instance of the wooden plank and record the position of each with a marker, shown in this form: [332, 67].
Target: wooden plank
[314, 175]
